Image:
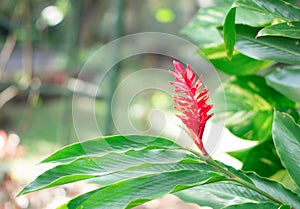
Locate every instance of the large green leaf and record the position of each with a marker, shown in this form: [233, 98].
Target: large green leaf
[285, 29]
[249, 107]
[219, 195]
[85, 167]
[132, 177]
[286, 81]
[262, 159]
[133, 192]
[238, 65]
[263, 205]
[105, 145]
[280, 8]
[279, 49]
[286, 136]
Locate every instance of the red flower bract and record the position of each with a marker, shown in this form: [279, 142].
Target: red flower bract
[191, 101]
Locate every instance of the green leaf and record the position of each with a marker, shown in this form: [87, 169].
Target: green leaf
[286, 81]
[229, 32]
[284, 207]
[132, 192]
[105, 145]
[147, 168]
[275, 189]
[263, 205]
[240, 155]
[252, 18]
[284, 178]
[239, 63]
[272, 188]
[286, 136]
[262, 159]
[285, 29]
[85, 167]
[249, 107]
[219, 195]
[279, 49]
[279, 9]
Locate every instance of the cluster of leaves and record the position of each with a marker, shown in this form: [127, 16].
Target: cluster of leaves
[259, 50]
[134, 169]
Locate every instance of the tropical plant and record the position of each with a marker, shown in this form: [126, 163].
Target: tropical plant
[260, 51]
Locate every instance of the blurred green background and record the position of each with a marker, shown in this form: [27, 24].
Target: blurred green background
[44, 45]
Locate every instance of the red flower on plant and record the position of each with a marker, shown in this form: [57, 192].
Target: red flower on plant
[191, 101]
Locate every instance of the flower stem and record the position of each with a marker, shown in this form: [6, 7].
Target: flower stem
[233, 177]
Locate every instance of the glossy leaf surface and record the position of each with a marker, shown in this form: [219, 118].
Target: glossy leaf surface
[285, 29]
[286, 81]
[286, 136]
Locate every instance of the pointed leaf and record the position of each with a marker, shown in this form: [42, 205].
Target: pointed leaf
[105, 145]
[229, 32]
[286, 136]
[85, 167]
[285, 29]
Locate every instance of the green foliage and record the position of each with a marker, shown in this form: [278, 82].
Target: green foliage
[128, 178]
[275, 48]
[286, 81]
[249, 107]
[229, 32]
[250, 46]
[286, 135]
[260, 38]
[285, 29]
[248, 35]
[239, 64]
[253, 205]
[262, 159]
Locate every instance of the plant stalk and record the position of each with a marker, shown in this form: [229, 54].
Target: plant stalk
[235, 178]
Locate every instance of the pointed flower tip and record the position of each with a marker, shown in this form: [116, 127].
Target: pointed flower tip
[178, 66]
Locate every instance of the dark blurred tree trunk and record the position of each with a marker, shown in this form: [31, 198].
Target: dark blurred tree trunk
[72, 50]
[115, 71]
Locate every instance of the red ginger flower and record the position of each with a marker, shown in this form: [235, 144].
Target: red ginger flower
[191, 102]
